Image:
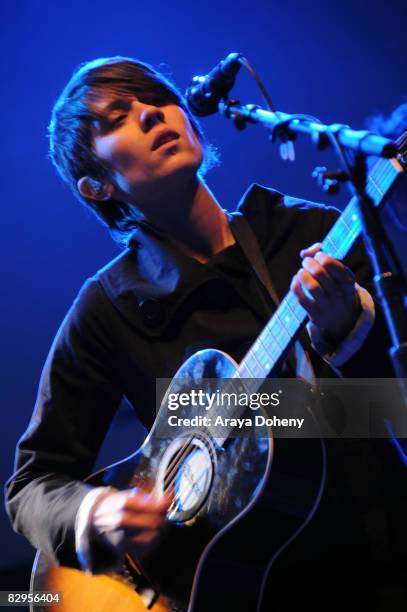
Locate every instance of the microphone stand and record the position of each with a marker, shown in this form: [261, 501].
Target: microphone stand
[389, 281]
[288, 125]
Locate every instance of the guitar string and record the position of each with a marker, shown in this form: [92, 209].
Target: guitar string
[384, 171]
[180, 456]
[176, 461]
[341, 233]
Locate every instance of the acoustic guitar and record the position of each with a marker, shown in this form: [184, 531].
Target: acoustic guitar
[222, 486]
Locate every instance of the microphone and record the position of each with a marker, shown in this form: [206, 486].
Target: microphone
[205, 92]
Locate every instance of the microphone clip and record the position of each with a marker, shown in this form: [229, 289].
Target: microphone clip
[330, 182]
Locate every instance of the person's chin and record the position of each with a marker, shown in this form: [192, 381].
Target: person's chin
[180, 161]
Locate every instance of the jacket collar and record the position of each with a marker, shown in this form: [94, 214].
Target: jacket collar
[149, 281]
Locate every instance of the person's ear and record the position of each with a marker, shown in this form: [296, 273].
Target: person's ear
[92, 189]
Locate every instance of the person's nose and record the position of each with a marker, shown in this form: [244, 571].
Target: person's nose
[150, 116]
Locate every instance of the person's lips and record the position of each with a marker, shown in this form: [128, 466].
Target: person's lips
[164, 137]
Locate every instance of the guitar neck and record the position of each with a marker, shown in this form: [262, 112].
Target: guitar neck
[283, 328]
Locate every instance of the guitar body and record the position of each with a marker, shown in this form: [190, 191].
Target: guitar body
[233, 512]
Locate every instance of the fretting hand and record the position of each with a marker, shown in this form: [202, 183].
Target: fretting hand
[325, 288]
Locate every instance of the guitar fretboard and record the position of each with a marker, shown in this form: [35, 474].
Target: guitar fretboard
[287, 321]
[284, 326]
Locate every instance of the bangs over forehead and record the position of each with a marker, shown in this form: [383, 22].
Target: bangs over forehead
[126, 79]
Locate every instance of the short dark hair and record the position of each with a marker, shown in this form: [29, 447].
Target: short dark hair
[71, 148]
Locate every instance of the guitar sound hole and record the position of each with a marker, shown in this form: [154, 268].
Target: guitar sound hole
[188, 474]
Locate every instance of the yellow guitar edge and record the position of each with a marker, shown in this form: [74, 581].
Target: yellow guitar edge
[93, 593]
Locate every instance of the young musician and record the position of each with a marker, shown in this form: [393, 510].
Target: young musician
[123, 139]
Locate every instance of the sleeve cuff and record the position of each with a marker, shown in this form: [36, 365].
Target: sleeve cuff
[337, 356]
[95, 554]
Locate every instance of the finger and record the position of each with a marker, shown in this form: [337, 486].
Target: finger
[140, 502]
[336, 269]
[150, 496]
[128, 521]
[134, 501]
[308, 304]
[311, 250]
[163, 499]
[319, 273]
[311, 288]
[136, 522]
[296, 288]
[312, 307]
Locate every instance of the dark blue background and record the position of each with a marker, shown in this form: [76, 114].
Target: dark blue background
[341, 60]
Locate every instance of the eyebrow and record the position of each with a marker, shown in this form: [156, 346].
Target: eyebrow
[116, 104]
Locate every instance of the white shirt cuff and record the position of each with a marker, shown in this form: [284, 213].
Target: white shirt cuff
[83, 543]
[352, 343]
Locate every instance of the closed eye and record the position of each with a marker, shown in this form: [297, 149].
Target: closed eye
[116, 121]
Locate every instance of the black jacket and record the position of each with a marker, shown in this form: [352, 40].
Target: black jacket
[137, 320]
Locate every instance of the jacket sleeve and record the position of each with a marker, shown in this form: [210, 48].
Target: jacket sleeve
[76, 402]
[371, 359]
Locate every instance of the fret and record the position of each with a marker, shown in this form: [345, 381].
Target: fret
[347, 237]
[291, 312]
[338, 235]
[243, 372]
[378, 180]
[287, 317]
[332, 249]
[268, 345]
[248, 367]
[268, 361]
[279, 330]
[236, 387]
[289, 305]
[375, 185]
[352, 216]
[256, 368]
[271, 346]
[262, 355]
[353, 234]
[252, 385]
[296, 308]
[243, 386]
[282, 328]
[378, 171]
[290, 315]
[382, 178]
[255, 351]
[355, 216]
[373, 194]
